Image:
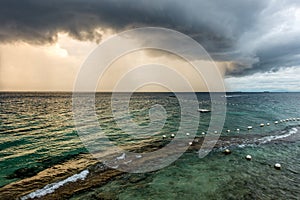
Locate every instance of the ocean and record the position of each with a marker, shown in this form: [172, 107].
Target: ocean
[43, 157]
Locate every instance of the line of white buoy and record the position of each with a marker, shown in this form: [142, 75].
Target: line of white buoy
[208, 102]
[249, 158]
[263, 125]
[228, 151]
[248, 127]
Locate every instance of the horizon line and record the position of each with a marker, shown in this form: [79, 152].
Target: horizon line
[59, 91]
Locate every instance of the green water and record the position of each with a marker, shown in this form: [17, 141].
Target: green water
[37, 131]
[214, 177]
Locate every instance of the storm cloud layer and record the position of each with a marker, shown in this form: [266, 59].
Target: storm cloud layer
[250, 35]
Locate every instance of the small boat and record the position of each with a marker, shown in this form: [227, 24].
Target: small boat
[227, 96]
[203, 110]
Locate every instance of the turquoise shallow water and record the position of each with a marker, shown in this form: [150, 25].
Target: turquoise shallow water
[37, 131]
[215, 177]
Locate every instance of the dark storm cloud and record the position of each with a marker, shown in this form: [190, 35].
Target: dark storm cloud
[231, 30]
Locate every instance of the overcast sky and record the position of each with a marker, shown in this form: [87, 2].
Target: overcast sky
[255, 43]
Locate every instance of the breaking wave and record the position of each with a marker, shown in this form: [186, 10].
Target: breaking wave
[53, 186]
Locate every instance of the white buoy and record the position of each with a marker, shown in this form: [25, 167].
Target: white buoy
[190, 143]
[238, 130]
[281, 121]
[276, 122]
[227, 151]
[164, 136]
[249, 127]
[298, 119]
[216, 132]
[172, 135]
[228, 131]
[294, 119]
[268, 124]
[277, 166]
[262, 125]
[187, 134]
[203, 133]
[248, 157]
[284, 120]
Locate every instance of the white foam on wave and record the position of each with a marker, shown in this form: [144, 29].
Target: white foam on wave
[267, 139]
[122, 157]
[53, 186]
[276, 137]
[138, 156]
[245, 145]
[242, 145]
